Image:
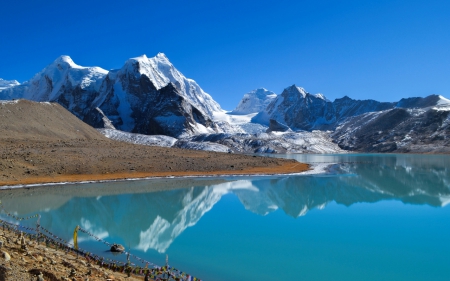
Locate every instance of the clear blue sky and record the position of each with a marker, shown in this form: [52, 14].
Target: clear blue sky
[382, 50]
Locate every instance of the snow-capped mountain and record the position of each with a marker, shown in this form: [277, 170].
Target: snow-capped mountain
[299, 110]
[254, 101]
[74, 87]
[150, 96]
[161, 72]
[430, 101]
[133, 103]
[5, 84]
[346, 107]
[417, 129]
[59, 80]
[147, 95]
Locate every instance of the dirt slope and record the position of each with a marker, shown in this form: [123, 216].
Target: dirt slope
[42, 142]
[27, 120]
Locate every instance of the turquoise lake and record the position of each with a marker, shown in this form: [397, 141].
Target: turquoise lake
[365, 217]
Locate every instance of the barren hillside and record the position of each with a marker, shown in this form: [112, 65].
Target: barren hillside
[43, 142]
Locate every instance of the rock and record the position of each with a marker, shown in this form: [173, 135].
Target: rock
[274, 125]
[117, 248]
[6, 256]
[38, 258]
[72, 272]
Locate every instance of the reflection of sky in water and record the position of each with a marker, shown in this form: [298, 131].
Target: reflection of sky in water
[238, 230]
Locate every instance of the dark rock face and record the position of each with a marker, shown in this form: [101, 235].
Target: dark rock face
[396, 130]
[346, 107]
[418, 102]
[79, 101]
[126, 98]
[133, 104]
[172, 116]
[300, 110]
[277, 127]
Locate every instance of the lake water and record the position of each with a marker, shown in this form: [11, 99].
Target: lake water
[368, 217]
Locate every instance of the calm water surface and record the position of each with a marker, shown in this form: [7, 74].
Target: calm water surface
[369, 217]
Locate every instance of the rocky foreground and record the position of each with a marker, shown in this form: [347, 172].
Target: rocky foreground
[33, 261]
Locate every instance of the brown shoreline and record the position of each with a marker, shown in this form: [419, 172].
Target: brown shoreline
[287, 168]
[24, 162]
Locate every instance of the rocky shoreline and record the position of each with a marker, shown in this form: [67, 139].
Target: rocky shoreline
[24, 258]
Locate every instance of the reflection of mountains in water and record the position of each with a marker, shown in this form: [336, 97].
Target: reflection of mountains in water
[153, 220]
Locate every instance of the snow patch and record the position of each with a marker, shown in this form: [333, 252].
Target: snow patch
[154, 140]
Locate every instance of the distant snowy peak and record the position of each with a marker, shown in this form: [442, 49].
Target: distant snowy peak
[299, 110]
[60, 76]
[5, 84]
[417, 102]
[254, 101]
[65, 69]
[443, 101]
[161, 72]
[295, 90]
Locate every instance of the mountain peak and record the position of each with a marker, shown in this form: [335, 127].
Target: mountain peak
[139, 58]
[66, 60]
[321, 96]
[4, 84]
[254, 101]
[162, 56]
[295, 89]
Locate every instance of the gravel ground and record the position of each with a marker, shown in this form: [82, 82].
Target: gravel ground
[17, 264]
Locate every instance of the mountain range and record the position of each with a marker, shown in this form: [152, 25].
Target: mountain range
[149, 96]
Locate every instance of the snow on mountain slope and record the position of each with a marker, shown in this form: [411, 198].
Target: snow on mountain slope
[238, 124]
[5, 84]
[254, 101]
[57, 79]
[274, 142]
[147, 96]
[417, 102]
[161, 72]
[443, 101]
[205, 146]
[346, 107]
[133, 103]
[397, 130]
[299, 110]
[154, 140]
